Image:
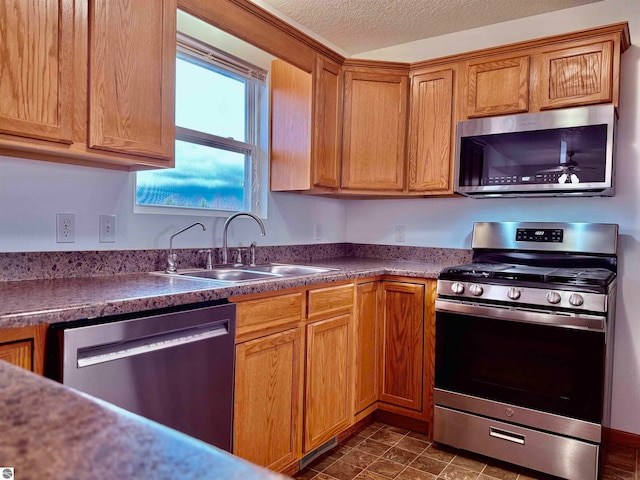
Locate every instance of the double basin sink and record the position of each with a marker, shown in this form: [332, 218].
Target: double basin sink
[244, 273]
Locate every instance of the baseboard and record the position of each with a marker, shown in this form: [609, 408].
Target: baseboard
[420, 426]
[624, 439]
[355, 428]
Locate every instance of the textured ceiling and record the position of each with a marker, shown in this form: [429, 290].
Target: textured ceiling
[358, 26]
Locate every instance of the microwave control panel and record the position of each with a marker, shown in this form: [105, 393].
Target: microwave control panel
[537, 179]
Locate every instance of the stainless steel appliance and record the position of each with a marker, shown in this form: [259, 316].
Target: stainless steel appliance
[524, 346]
[173, 366]
[559, 152]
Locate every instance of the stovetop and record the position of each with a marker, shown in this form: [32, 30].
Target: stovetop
[477, 272]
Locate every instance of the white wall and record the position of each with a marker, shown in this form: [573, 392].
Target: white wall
[32, 192]
[448, 222]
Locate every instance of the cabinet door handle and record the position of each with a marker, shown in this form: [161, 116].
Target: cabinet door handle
[504, 435]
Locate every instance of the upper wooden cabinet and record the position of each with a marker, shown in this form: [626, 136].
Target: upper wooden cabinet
[374, 130]
[132, 52]
[327, 126]
[498, 86]
[306, 111]
[88, 82]
[35, 99]
[563, 71]
[431, 132]
[577, 75]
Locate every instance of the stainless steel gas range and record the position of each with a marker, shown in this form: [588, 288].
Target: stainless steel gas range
[524, 346]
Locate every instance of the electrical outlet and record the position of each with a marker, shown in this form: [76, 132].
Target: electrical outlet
[318, 230]
[107, 228]
[65, 227]
[400, 233]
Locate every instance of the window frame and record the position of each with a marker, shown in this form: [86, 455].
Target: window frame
[206, 55]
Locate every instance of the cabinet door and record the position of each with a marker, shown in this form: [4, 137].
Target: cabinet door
[327, 125]
[577, 76]
[36, 71]
[291, 106]
[24, 347]
[430, 131]
[402, 330]
[132, 51]
[374, 131]
[327, 394]
[366, 354]
[498, 86]
[268, 399]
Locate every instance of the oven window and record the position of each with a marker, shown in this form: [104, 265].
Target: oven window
[545, 368]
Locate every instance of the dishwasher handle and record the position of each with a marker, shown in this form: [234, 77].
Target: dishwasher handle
[97, 354]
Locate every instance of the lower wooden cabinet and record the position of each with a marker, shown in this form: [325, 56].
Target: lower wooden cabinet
[407, 348]
[293, 372]
[327, 393]
[366, 346]
[268, 399]
[312, 361]
[402, 332]
[24, 347]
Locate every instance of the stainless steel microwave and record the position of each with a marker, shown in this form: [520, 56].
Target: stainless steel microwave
[552, 153]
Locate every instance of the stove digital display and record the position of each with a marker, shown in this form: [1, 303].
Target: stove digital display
[553, 235]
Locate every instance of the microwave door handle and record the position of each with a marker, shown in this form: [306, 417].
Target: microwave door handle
[575, 321]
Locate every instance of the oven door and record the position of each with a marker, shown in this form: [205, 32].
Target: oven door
[549, 362]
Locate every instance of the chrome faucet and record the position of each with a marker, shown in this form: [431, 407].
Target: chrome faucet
[171, 259]
[225, 248]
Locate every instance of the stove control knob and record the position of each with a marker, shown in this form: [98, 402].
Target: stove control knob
[576, 299]
[553, 297]
[457, 288]
[475, 290]
[513, 293]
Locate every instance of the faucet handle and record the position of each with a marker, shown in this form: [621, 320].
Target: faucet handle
[209, 265]
[171, 263]
[239, 254]
[252, 261]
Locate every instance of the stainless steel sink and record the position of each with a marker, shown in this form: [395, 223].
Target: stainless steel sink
[229, 274]
[244, 273]
[283, 269]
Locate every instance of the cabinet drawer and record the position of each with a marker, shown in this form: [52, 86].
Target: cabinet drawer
[267, 314]
[330, 301]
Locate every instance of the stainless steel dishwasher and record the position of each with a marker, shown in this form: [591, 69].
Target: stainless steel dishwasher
[173, 366]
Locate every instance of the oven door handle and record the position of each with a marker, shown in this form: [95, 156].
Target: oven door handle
[574, 321]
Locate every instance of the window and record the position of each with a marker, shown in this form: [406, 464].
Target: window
[217, 131]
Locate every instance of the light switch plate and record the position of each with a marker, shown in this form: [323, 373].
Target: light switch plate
[107, 228]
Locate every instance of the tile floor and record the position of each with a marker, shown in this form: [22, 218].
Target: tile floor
[383, 452]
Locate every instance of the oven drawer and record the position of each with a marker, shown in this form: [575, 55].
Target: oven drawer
[561, 456]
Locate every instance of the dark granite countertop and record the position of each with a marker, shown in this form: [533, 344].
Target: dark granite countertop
[51, 431]
[32, 302]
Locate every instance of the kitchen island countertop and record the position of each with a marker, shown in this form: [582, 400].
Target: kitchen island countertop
[52, 431]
